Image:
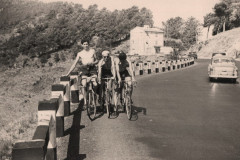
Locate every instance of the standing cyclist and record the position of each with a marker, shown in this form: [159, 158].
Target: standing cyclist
[87, 59]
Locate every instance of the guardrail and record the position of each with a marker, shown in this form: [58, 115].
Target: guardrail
[160, 66]
[51, 112]
[50, 126]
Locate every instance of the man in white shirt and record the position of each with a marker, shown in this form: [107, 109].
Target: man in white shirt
[87, 59]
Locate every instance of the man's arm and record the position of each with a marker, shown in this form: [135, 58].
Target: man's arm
[95, 58]
[99, 70]
[131, 70]
[113, 68]
[117, 70]
[74, 64]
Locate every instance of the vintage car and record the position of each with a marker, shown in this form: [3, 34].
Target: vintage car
[193, 54]
[222, 67]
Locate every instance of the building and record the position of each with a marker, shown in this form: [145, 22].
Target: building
[146, 40]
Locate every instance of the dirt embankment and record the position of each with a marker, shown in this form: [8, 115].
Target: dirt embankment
[228, 42]
[20, 92]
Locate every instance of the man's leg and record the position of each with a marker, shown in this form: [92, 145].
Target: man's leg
[84, 84]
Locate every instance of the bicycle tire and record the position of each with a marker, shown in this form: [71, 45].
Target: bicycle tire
[128, 107]
[108, 103]
[123, 100]
[91, 105]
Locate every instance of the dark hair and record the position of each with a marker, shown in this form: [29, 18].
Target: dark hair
[85, 40]
[122, 55]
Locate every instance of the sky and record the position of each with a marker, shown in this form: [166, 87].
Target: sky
[162, 10]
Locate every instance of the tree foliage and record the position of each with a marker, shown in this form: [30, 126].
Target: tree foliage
[173, 27]
[191, 32]
[49, 27]
[179, 33]
[225, 16]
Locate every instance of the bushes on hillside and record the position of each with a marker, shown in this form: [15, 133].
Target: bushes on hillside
[56, 26]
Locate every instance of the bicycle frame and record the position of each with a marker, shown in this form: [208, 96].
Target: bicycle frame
[127, 98]
[91, 97]
[107, 94]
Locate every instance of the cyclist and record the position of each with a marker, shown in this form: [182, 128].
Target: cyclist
[87, 60]
[106, 69]
[124, 69]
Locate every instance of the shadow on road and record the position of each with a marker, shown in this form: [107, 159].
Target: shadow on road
[137, 110]
[74, 136]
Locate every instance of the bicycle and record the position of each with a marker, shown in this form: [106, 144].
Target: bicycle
[126, 97]
[91, 99]
[107, 95]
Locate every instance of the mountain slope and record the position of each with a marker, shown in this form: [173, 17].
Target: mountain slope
[228, 42]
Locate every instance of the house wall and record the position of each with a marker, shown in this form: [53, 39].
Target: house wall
[143, 43]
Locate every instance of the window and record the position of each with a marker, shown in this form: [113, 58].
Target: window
[157, 49]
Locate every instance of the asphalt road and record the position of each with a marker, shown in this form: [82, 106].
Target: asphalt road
[179, 115]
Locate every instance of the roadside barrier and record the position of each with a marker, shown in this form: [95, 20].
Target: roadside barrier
[74, 87]
[156, 66]
[168, 65]
[149, 67]
[141, 68]
[58, 91]
[51, 113]
[65, 80]
[178, 64]
[161, 66]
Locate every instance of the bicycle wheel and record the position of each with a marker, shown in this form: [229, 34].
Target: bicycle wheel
[123, 103]
[108, 103]
[91, 105]
[128, 106]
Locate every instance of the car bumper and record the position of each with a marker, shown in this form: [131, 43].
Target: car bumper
[222, 76]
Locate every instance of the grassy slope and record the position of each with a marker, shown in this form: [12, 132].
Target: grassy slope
[228, 42]
[20, 92]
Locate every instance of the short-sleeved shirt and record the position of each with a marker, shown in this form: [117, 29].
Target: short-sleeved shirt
[87, 56]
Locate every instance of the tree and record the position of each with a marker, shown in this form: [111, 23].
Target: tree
[209, 20]
[222, 11]
[173, 27]
[191, 31]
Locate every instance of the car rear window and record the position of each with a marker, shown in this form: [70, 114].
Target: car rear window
[223, 61]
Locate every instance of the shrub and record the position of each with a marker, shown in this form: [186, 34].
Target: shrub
[5, 149]
[56, 57]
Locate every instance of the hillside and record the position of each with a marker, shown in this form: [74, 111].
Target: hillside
[228, 42]
[50, 27]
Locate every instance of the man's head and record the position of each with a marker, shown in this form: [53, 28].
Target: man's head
[122, 56]
[85, 43]
[105, 54]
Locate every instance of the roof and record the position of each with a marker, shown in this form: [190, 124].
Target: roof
[218, 54]
[148, 29]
